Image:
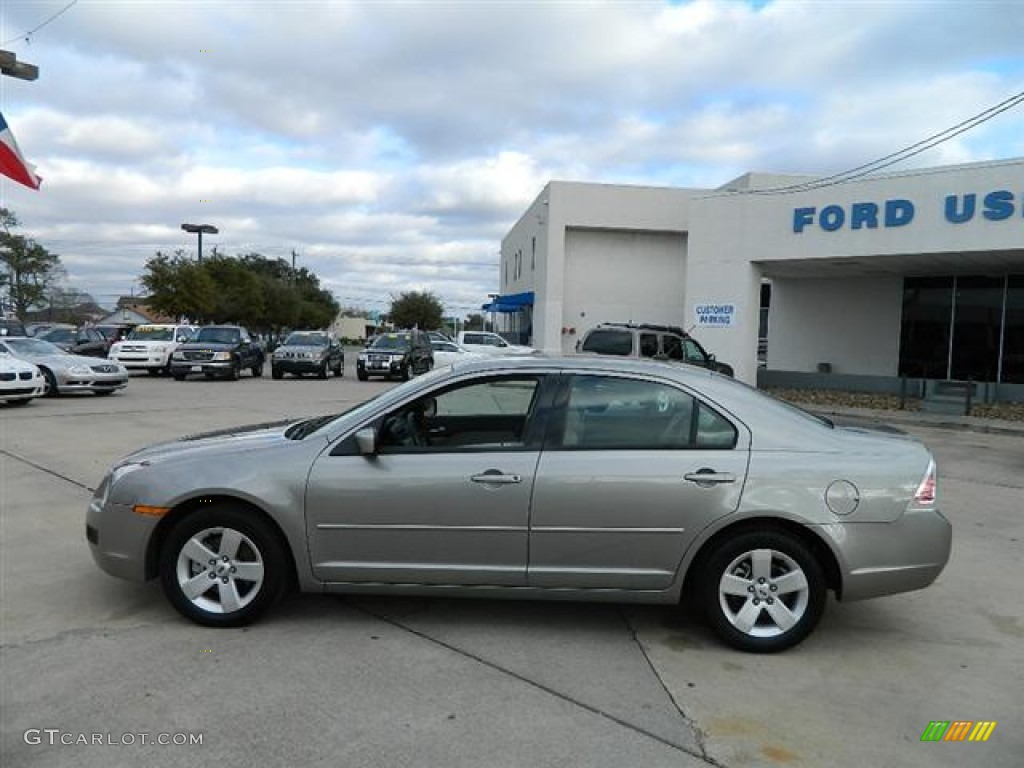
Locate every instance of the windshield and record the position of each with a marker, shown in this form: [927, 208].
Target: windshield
[60, 334]
[217, 336]
[31, 347]
[392, 341]
[305, 339]
[151, 333]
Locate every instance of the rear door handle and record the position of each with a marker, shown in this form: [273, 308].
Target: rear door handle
[493, 477]
[708, 477]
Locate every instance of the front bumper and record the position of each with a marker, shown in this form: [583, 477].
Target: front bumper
[295, 365]
[141, 362]
[211, 367]
[887, 558]
[370, 368]
[96, 382]
[118, 538]
[19, 389]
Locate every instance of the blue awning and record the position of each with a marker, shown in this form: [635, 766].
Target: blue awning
[512, 302]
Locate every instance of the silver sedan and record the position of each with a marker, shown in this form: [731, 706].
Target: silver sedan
[64, 372]
[559, 478]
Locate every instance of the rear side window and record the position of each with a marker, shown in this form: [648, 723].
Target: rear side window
[648, 345]
[627, 414]
[609, 342]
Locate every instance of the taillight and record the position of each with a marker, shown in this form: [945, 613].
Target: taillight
[925, 494]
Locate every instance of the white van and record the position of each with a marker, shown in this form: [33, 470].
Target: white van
[149, 347]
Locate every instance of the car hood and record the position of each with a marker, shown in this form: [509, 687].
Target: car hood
[66, 361]
[221, 442]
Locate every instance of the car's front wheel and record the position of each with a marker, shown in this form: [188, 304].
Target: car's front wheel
[50, 383]
[763, 591]
[223, 566]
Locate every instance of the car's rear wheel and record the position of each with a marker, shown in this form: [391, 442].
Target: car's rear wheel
[276, 373]
[223, 566]
[763, 591]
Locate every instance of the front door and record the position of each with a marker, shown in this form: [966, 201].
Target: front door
[445, 500]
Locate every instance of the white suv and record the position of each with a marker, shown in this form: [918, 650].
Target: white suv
[149, 347]
[488, 343]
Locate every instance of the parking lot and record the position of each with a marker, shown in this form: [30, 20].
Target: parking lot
[433, 682]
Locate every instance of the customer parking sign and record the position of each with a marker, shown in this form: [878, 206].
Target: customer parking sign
[715, 315]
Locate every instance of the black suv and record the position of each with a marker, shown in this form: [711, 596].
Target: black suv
[659, 342]
[218, 350]
[402, 353]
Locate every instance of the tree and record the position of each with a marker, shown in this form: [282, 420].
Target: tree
[474, 322]
[179, 287]
[416, 309]
[30, 271]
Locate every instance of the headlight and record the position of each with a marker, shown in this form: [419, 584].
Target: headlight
[362, 356]
[79, 370]
[221, 355]
[178, 355]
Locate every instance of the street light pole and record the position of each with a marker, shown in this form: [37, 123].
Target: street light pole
[199, 229]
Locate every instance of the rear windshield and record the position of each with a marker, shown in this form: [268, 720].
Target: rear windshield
[609, 342]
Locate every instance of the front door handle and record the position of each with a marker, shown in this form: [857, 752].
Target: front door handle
[494, 477]
[708, 477]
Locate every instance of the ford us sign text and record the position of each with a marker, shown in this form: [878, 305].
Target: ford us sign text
[995, 206]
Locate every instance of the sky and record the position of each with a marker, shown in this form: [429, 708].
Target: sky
[392, 145]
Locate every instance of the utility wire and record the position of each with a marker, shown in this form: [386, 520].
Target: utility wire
[897, 157]
[26, 35]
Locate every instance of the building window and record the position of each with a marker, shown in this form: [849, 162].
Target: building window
[977, 325]
[925, 331]
[1013, 332]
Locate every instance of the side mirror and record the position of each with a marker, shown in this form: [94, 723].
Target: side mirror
[366, 441]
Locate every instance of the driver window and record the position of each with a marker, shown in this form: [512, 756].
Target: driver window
[482, 415]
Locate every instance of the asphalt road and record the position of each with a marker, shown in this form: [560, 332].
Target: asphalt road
[428, 682]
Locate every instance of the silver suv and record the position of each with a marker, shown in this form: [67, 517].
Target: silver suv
[658, 342]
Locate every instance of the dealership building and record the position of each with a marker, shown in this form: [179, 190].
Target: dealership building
[866, 284]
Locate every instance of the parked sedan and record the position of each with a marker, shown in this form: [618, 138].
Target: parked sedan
[79, 341]
[19, 381]
[64, 372]
[584, 478]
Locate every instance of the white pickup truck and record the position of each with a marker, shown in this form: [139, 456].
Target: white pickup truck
[487, 343]
[149, 347]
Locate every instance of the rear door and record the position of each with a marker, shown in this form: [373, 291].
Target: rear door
[633, 469]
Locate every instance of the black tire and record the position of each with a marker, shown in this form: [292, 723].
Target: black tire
[257, 370]
[102, 392]
[50, 390]
[153, 371]
[740, 611]
[361, 376]
[276, 373]
[259, 546]
[23, 401]
[179, 376]
[322, 373]
[236, 371]
[339, 368]
[407, 372]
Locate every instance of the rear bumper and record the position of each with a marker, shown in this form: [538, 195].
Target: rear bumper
[887, 558]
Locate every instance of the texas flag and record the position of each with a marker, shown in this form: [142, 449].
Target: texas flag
[12, 164]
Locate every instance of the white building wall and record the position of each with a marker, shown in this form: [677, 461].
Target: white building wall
[853, 324]
[616, 276]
